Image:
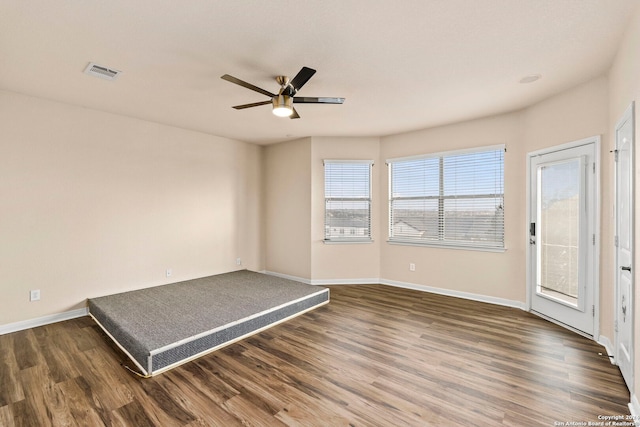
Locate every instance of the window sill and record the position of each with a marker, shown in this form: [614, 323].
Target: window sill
[448, 246]
[347, 242]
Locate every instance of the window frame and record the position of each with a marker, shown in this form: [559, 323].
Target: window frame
[441, 198]
[348, 237]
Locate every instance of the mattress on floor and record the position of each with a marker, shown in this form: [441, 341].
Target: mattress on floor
[164, 326]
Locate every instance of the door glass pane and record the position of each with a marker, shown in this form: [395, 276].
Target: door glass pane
[559, 230]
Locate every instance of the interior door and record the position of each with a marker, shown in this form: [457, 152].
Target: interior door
[562, 236]
[624, 246]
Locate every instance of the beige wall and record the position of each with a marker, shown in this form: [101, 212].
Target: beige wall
[94, 203]
[344, 262]
[295, 179]
[624, 87]
[97, 203]
[576, 114]
[287, 204]
[499, 275]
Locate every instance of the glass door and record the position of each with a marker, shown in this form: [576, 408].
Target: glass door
[561, 236]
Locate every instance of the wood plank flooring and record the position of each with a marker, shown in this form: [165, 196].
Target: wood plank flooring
[374, 356]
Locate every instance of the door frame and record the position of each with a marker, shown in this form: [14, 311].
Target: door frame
[595, 272]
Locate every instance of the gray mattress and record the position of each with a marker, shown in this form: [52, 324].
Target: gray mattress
[164, 326]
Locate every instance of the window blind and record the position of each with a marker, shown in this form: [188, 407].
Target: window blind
[347, 189]
[451, 199]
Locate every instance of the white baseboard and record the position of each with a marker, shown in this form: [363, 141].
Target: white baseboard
[373, 281]
[634, 408]
[406, 285]
[287, 276]
[457, 294]
[606, 343]
[41, 321]
[316, 282]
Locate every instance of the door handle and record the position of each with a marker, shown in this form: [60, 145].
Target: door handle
[626, 268]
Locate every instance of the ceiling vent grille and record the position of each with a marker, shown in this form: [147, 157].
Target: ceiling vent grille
[101, 71]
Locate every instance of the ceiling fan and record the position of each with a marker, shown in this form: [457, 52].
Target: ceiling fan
[284, 100]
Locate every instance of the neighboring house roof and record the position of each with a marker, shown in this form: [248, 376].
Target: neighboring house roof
[418, 223]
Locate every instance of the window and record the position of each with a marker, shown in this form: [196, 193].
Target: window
[347, 195]
[448, 199]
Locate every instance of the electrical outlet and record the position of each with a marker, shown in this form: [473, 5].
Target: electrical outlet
[238, 261]
[34, 295]
[412, 267]
[169, 272]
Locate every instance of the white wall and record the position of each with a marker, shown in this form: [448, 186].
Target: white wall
[94, 203]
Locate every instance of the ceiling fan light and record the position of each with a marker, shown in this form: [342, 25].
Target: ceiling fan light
[282, 105]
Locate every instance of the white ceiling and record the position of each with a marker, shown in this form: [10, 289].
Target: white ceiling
[401, 65]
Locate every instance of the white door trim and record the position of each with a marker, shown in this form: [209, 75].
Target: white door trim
[596, 265]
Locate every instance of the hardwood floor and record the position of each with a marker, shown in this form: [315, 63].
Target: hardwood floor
[375, 356]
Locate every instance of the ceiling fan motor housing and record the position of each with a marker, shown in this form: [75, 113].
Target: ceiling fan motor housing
[282, 105]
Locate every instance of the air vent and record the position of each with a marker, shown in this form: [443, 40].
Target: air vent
[101, 71]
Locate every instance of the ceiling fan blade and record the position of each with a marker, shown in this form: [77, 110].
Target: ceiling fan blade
[295, 115]
[254, 104]
[302, 77]
[322, 100]
[242, 83]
